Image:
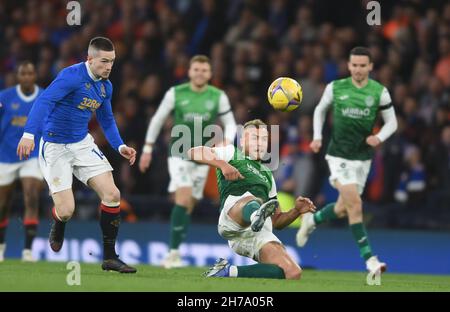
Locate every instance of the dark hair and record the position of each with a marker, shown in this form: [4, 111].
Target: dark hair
[24, 63]
[361, 51]
[101, 43]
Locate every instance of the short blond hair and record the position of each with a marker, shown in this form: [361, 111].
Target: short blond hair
[256, 123]
[199, 58]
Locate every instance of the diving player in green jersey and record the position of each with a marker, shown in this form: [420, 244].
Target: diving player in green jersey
[196, 106]
[356, 101]
[249, 208]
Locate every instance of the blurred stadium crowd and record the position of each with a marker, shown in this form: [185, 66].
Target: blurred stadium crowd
[252, 42]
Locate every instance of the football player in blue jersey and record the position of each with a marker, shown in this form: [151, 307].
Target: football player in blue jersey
[15, 104]
[66, 148]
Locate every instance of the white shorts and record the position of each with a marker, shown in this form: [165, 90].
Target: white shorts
[60, 161]
[348, 171]
[184, 173]
[244, 241]
[9, 172]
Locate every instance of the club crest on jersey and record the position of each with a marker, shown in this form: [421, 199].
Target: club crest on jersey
[103, 90]
[209, 105]
[15, 106]
[369, 100]
[87, 85]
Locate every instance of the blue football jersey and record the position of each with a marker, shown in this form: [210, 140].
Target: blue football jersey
[64, 109]
[14, 109]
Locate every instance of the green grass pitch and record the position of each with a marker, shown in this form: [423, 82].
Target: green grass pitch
[51, 276]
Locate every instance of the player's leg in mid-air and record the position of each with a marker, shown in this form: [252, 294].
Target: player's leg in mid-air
[353, 204]
[55, 161]
[32, 187]
[62, 211]
[187, 181]
[103, 185]
[349, 180]
[249, 231]
[6, 193]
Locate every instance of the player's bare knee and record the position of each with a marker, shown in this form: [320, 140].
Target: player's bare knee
[65, 212]
[293, 272]
[112, 196]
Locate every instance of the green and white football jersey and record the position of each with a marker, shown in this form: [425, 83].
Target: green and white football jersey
[354, 114]
[258, 179]
[194, 113]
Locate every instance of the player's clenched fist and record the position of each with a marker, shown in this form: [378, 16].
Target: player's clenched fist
[304, 205]
[25, 147]
[230, 173]
[129, 153]
[316, 145]
[373, 141]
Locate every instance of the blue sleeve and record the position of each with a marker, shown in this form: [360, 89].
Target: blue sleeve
[2, 109]
[106, 120]
[64, 84]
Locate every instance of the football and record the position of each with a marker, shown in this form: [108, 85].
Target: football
[285, 94]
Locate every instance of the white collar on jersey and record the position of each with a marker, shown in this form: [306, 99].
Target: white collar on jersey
[27, 98]
[90, 73]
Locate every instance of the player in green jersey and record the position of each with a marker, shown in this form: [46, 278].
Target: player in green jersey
[196, 107]
[356, 101]
[249, 208]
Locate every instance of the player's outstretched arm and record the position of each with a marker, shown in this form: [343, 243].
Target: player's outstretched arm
[282, 219]
[206, 155]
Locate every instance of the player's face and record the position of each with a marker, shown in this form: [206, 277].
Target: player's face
[101, 64]
[359, 67]
[26, 76]
[199, 74]
[255, 142]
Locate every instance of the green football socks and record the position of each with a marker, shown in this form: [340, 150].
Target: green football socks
[179, 224]
[360, 236]
[259, 270]
[325, 214]
[249, 209]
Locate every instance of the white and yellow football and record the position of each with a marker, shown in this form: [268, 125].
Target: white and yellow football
[285, 94]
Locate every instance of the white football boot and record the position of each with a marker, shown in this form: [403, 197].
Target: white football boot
[374, 265]
[172, 260]
[259, 217]
[306, 228]
[27, 256]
